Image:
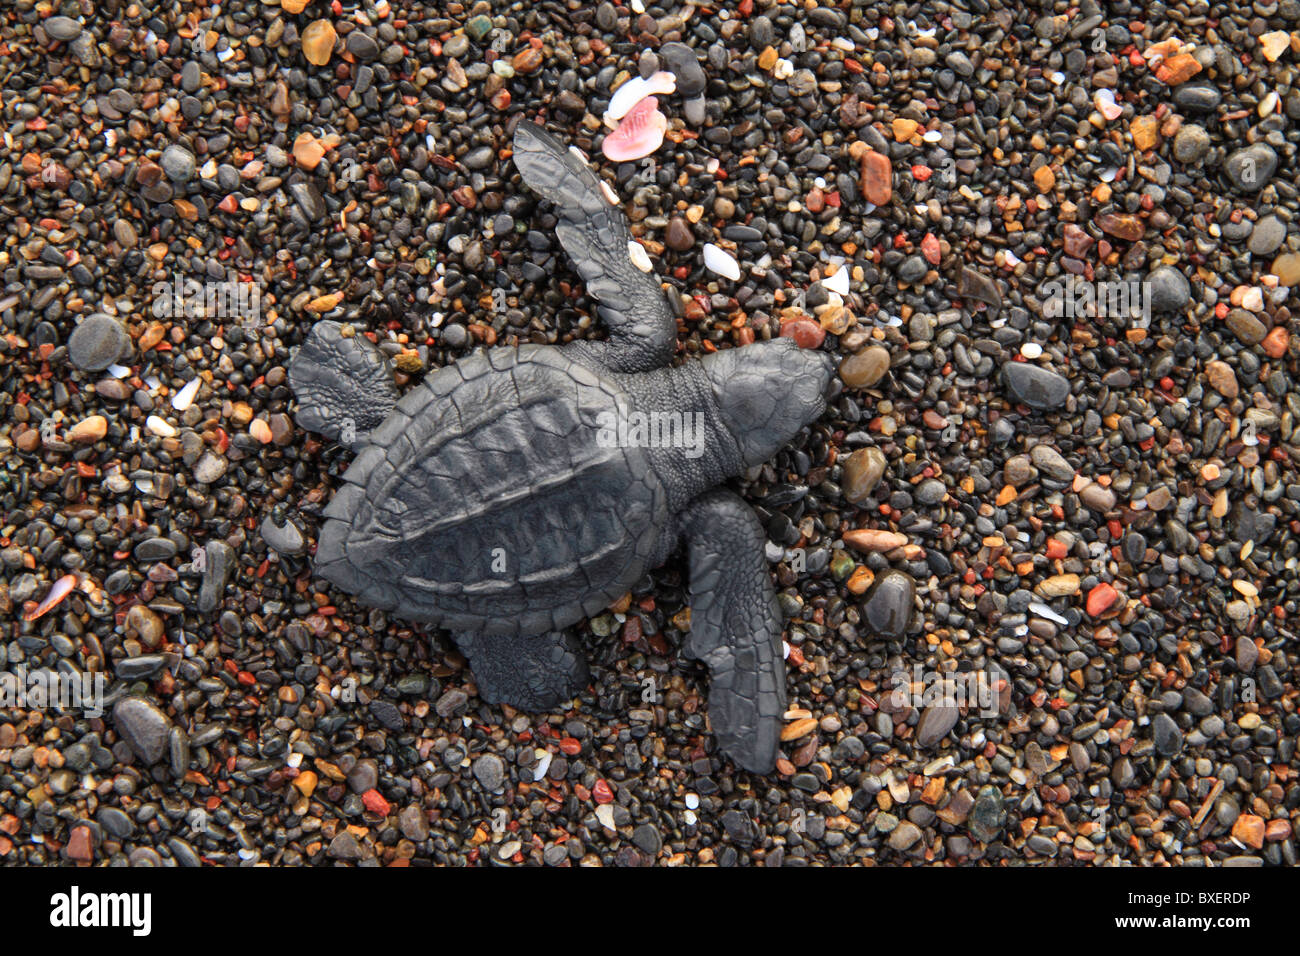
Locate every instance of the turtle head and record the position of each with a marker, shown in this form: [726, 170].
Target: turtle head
[768, 391]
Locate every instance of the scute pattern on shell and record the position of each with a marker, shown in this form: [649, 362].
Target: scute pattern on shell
[486, 503]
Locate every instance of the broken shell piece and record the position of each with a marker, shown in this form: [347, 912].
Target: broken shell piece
[718, 260]
[635, 90]
[160, 426]
[837, 281]
[61, 589]
[609, 193]
[639, 134]
[1104, 100]
[185, 397]
[636, 252]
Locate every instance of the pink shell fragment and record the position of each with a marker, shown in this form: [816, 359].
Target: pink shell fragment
[62, 588]
[639, 134]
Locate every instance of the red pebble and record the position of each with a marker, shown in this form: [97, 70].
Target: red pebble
[374, 802]
[806, 333]
[1101, 599]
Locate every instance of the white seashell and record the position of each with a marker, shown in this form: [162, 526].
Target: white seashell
[785, 650]
[837, 281]
[1031, 350]
[720, 261]
[636, 89]
[1042, 610]
[636, 252]
[159, 427]
[609, 193]
[605, 814]
[544, 758]
[185, 397]
[1104, 100]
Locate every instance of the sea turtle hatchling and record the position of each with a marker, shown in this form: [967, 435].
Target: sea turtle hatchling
[504, 498]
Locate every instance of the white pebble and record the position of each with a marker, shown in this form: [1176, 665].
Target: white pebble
[605, 814]
[609, 193]
[689, 817]
[1031, 350]
[783, 70]
[118, 371]
[636, 252]
[185, 397]
[720, 261]
[931, 136]
[692, 801]
[159, 426]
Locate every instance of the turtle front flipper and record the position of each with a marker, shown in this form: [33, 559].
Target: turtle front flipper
[735, 627]
[343, 384]
[593, 231]
[533, 673]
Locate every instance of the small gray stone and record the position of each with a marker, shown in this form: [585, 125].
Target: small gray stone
[1251, 168]
[97, 342]
[683, 64]
[1197, 97]
[286, 538]
[1269, 233]
[1191, 143]
[309, 200]
[62, 29]
[936, 720]
[178, 163]
[1051, 462]
[888, 605]
[490, 772]
[1168, 738]
[1169, 289]
[1035, 386]
[143, 726]
[987, 816]
[362, 46]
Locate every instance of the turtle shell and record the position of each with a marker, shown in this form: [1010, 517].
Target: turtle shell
[486, 502]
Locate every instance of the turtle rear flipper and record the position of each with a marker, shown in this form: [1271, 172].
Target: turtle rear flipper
[736, 628]
[343, 384]
[533, 673]
[643, 332]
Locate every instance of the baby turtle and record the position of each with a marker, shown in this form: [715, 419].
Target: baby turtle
[514, 493]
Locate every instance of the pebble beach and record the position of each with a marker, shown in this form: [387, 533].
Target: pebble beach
[1039, 561]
